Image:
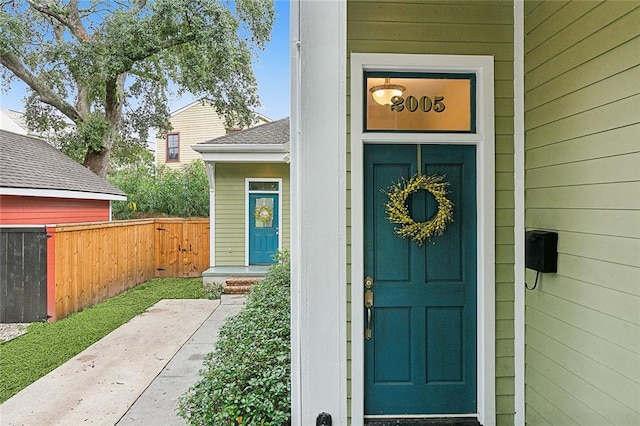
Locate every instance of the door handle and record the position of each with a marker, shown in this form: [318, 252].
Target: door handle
[368, 304]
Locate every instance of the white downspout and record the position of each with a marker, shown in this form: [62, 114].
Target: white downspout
[519, 212]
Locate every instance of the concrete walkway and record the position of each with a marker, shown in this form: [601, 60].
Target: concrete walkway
[133, 376]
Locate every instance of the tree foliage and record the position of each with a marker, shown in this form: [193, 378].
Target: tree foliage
[109, 67]
[155, 192]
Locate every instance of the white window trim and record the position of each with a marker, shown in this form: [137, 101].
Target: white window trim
[248, 217]
[484, 139]
[166, 144]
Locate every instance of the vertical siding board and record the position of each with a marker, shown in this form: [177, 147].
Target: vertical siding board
[4, 275]
[23, 274]
[16, 249]
[28, 264]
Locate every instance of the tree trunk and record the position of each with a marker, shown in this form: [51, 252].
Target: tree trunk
[98, 162]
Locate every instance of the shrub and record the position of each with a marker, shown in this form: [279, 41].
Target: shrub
[162, 192]
[246, 380]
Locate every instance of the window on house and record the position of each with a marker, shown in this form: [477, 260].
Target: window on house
[263, 186]
[173, 147]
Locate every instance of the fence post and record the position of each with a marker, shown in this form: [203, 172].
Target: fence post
[51, 272]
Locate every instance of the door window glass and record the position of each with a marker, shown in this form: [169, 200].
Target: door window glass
[263, 213]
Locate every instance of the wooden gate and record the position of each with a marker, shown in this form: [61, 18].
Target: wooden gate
[23, 274]
[179, 246]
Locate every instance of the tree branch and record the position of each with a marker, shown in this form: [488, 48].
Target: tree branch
[71, 20]
[114, 98]
[139, 5]
[128, 66]
[44, 92]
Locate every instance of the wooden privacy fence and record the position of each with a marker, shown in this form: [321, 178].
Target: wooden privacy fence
[89, 263]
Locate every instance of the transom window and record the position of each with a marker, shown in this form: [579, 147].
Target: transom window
[173, 147]
[419, 102]
[263, 186]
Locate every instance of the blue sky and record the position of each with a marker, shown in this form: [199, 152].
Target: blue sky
[271, 69]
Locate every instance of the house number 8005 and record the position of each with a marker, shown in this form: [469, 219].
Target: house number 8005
[413, 104]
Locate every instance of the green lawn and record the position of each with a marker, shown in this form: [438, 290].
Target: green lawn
[46, 346]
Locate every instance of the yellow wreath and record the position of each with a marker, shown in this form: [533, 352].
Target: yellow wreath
[398, 211]
[263, 213]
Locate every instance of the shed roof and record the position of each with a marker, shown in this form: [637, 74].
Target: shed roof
[31, 163]
[273, 133]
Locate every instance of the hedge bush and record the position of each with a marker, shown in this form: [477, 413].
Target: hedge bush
[154, 192]
[247, 379]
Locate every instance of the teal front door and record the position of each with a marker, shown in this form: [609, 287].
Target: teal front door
[263, 228]
[420, 356]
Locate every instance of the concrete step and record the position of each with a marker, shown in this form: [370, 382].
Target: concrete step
[236, 289]
[239, 285]
[233, 281]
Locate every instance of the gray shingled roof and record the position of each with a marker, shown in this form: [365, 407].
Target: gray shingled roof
[274, 133]
[28, 162]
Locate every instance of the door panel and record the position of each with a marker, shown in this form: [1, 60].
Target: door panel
[393, 333]
[263, 232]
[444, 347]
[421, 358]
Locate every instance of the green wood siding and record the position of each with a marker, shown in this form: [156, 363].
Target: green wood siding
[582, 102]
[230, 196]
[459, 28]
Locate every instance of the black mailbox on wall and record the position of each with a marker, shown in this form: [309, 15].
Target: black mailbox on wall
[541, 251]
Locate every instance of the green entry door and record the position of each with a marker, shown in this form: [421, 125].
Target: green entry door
[263, 228]
[420, 358]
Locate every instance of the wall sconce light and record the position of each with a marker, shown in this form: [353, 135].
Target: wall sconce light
[383, 93]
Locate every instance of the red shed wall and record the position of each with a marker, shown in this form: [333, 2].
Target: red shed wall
[19, 210]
